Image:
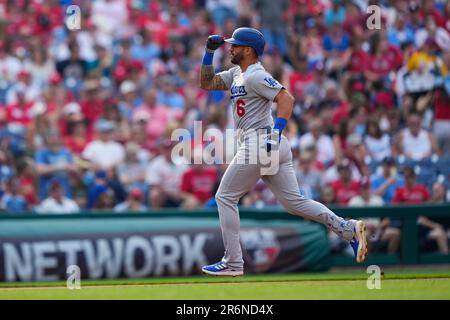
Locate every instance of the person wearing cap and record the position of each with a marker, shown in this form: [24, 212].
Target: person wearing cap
[129, 99]
[77, 137]
[53, 163]
[197, 182]
[103, 184]
[23, 85]
[92, 101]
[57, 203]
[344, 187]
[366, 196]
[40, 126]
[104, 152]
[385, 183]
[134, 202]
[19, 111]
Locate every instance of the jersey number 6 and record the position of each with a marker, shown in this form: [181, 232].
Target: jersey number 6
[240, 108]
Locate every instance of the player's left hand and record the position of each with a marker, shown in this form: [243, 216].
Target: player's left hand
[273, 140]
[214, 42]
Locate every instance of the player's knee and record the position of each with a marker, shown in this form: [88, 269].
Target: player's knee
[219, 198]
[223, 198]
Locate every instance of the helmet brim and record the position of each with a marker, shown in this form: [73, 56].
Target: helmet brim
[236, 42]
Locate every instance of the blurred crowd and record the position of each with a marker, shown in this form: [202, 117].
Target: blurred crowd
[86, 115]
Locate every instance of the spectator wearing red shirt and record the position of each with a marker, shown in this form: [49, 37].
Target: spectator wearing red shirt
[300, 78]
[345, 188]
[197, 184]
[127, 68]
[383, 59]
[48, 16]
[27, 182]
[412, 192]
[359, 58]
[78, 136]
[20, 112]
[428, 10]
[355, 21]
[92, 104]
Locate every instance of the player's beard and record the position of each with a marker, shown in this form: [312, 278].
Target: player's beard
[237, 58]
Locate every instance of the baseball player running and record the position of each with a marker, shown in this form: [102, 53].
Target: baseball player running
[252, 91]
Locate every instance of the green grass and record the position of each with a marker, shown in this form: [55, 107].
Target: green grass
[342, 285]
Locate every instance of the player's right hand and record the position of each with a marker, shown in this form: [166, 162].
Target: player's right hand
[214, 42]
[272, 141]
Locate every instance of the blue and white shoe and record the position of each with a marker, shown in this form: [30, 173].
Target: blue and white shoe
[359, 242]
[221, 269]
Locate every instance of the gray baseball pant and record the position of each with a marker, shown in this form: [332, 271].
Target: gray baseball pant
[240, 177]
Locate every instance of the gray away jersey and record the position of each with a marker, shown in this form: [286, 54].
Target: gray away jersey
[252, 93]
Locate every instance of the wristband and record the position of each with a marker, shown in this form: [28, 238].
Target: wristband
[280, 124]
[208, 57]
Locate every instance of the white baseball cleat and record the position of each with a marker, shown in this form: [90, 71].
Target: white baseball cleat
[359, 242]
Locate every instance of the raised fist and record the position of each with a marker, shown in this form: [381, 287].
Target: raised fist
[214, 42]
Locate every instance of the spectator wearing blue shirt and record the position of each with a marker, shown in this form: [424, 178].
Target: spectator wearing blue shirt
[400, 33]
[130, 99]
[144, 48]
[53, 163]
[336, 13]
[13, 201]
[336, 40]
[6, 169]
[168, 96]
[105, 182]
[385, 184]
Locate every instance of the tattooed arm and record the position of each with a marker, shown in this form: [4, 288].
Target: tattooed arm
[209, 80]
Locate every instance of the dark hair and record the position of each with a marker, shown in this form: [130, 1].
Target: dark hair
[343, 128]
[373, 122]
[409, 171]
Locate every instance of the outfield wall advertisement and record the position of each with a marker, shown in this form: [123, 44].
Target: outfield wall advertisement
[174, 251]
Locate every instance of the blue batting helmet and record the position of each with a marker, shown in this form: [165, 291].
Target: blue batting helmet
[248, 37]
